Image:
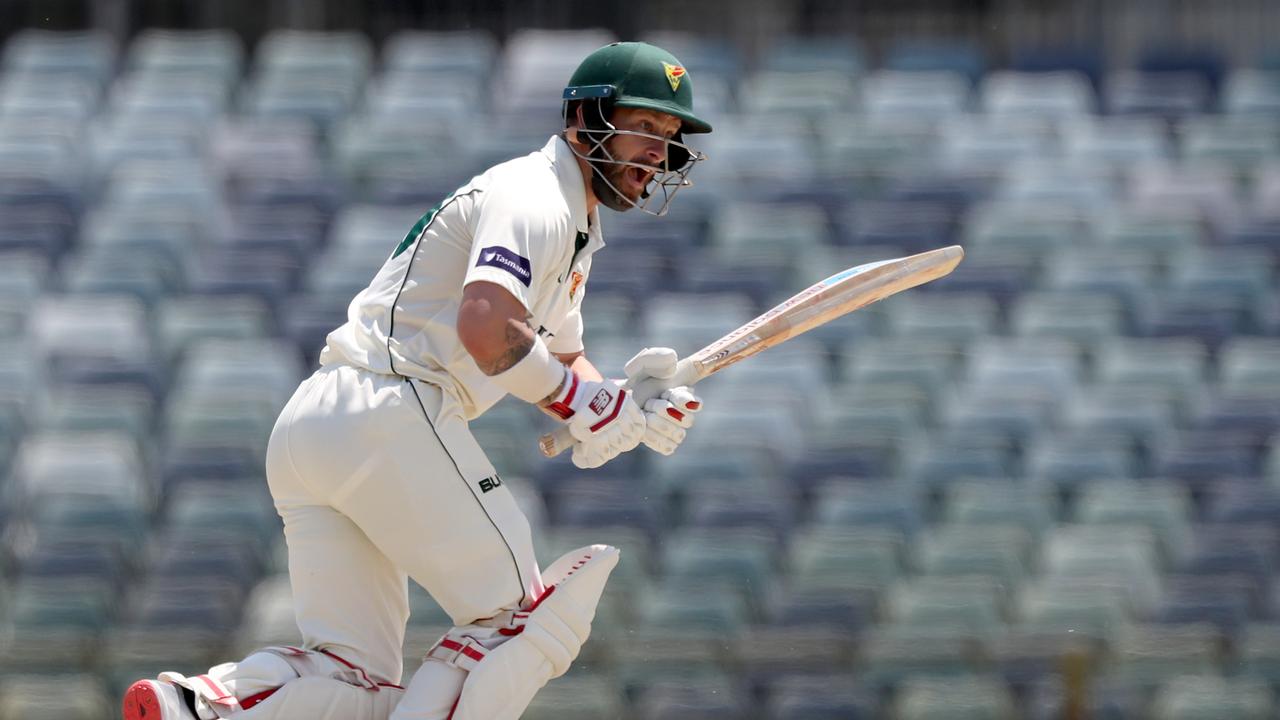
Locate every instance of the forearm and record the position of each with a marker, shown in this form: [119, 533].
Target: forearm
[580, 365]
[494, 329]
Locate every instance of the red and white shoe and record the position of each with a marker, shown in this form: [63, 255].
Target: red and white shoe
[155, 700]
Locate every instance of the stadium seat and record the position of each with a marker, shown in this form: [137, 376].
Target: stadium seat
[66, 696]
[1204, 697]
[958, 603]
[845, 559]
[896, 94]
[999, 503]
[978, 698]
[891, 655]
[1048, 94]
[576, 697]
[1169, 94]
[1147, 655]
[800, 697]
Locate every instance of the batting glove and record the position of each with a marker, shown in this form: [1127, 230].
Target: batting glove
[602, 417]
[670, 415]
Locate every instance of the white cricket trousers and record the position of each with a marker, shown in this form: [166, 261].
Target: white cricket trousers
[377, 477]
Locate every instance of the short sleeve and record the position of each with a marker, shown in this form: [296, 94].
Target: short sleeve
[568, 337]
[516, 240]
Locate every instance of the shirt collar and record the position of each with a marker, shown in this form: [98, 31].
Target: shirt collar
[574, 188]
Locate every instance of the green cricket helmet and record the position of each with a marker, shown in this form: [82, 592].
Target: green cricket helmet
[634, 75]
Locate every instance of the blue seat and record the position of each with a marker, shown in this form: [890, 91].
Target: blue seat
[1084, 59]
[580, 504]
[925, 55]
[896, 654]
[1226, 602]
[1201, 457]
[731, 508]
[1113, 141]
[1205, 63]
[804, 697]
[884, 505]
[844, 608]
[908, 95]
[1201, 698]
[1168, 94]
[1049, 94]
[908, 227]
[1250, 91]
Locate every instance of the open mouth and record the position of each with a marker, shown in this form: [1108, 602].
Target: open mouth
[639, 176]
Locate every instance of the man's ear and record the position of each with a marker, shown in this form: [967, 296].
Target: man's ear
[577, 121]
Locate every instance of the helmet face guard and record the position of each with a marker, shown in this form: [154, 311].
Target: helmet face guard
[668, 178]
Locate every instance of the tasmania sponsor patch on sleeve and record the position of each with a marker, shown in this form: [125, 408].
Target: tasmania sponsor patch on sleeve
[507, 259]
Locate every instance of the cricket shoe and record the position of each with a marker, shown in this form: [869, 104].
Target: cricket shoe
[156, 700]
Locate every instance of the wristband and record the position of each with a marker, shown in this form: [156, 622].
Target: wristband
[535, 377]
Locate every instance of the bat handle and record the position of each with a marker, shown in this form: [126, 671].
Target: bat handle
[560, 439]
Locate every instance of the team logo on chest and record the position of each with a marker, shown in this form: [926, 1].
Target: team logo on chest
[575, 280]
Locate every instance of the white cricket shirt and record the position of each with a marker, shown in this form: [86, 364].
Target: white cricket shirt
[523, 225]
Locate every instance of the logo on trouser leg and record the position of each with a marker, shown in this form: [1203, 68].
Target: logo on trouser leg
[490, 483]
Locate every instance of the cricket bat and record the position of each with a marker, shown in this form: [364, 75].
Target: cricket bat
[816, 305]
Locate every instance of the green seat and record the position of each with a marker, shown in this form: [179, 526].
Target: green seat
[846, 558]
[53, 697]
[234, 508]
[764, 235]
[61, 604]
[1082, 317]
[1240, 142]
[767, 651]
[1250, 366]
[1035, 227]
[1160, 236]
[960, 603]
[925, 363]
[131, 652]
[1211, 697]
[954, 316]
[99, 408]
[997, 503]
[1084, 612]
[1178, 366]
[999, 553]
[577, 697]
[1164, 509]
[712, 604]
[961, 698]
[747, 559]
[1121, 556]
[646, 655]
[893, 654]
[1149, 655]
[1258, 650]
[180, 321]
[47, 649]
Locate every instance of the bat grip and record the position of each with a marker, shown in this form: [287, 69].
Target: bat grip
[560, 439]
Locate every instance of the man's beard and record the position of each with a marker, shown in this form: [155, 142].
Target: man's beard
[612, 197]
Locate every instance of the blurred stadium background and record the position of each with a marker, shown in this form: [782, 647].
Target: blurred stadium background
[1047, 486]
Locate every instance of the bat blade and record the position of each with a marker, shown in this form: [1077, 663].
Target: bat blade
[816, 305]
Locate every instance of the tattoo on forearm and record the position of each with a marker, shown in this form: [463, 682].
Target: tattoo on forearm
[520, 339]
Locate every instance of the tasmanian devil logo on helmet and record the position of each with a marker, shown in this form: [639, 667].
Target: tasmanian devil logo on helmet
[674, 75]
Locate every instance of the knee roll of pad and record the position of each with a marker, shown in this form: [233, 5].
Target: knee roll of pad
[501, 683]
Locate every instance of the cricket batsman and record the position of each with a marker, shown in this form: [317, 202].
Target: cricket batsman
[373, 469]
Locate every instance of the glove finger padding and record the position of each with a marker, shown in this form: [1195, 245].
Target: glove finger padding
[668, 417]
[651, 362]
